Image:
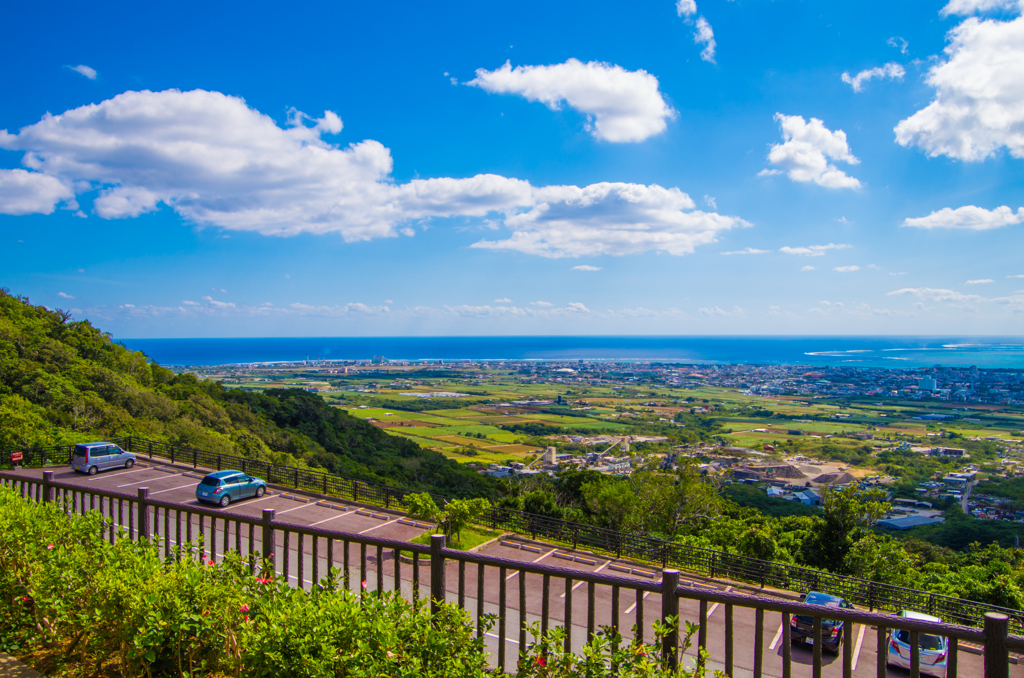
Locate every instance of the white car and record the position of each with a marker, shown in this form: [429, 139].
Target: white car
[933, 650]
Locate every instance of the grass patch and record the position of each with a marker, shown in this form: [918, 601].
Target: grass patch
[470, 538]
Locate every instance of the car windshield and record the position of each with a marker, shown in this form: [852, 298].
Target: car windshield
[924, 641]
[212, 482]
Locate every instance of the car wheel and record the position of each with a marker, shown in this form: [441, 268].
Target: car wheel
[224, 501]
[260, 491]
[92, 470]
[129, 463]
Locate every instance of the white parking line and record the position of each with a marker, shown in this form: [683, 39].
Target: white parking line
[114, 475]
[281, 513]
[147, 480]
[331, 518]
[375, 527]
[775, 640]
[532, 561]
[507, 640]
[633, 606]
[172, 489]
[715, 606]
[860, 641]
[581, 583]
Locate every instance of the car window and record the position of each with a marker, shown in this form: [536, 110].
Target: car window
[928, 642]
[903, 636]
[80, 450]
[212, 482]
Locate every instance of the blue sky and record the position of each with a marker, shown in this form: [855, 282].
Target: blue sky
[670, 167]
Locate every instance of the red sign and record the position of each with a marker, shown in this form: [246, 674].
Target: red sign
[15, 457]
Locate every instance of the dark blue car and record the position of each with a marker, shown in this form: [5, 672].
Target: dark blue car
[224, 487]
[801, 628]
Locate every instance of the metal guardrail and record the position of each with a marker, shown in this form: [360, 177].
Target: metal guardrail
[707, 562]
[187, 531]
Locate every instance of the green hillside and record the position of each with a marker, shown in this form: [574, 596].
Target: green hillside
[65, 381]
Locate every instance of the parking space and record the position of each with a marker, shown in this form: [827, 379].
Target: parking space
[178, 486]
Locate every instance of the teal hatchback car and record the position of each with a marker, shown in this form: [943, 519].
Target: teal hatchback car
[224, 487]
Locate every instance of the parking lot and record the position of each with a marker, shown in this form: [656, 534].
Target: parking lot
[178, 485]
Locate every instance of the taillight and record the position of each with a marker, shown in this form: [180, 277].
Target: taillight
[793, 621]
[835, 630]
[219, 488]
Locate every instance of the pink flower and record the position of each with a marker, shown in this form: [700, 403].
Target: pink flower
[364, 585]
[540, 661]
[50, 547]
[244, 609]
[206, 613]
[391, 655]
[246, 618]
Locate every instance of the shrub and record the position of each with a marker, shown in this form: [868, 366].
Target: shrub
[71, 603]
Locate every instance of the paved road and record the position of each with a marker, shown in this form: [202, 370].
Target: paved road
[177, 486]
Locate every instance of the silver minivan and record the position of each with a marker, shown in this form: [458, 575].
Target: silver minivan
[94, 457]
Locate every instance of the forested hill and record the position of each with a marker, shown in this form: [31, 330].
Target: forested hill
[65, 381]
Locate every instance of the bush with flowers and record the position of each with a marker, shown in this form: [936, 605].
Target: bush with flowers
[73, 604]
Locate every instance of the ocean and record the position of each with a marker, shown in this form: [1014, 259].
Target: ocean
[890, 352]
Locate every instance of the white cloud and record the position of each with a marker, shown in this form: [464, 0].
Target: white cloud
[984, 281]
[847, 269]
[217, 162]
[893, 71]
[710, 202]
[543, 304]
[503, 301]
[979, 92]
[686, 8]
[191, 303]
[703, 35]
[586, 268]
[608, 218]
[968, 218]
[388, 301]
[805, 151]
[749, 250]
[813, 250]
[84, 70]
[807, 268]
[716, 311]
[899, 43]
[63, 295]
[965, 7]
[24, 192]
[1015, 276]
[621, 106]
[936, 294]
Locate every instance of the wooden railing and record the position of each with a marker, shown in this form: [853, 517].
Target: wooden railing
[177, 530]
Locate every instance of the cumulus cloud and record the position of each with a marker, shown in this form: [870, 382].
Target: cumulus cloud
[703, 35]
[84, 70]
[716, 311]
[611, 218]
[621, 106]
[899, 43]
[983, 281]
[893, 71]
[965, 7]
[807, 268]
[217, 162]
[813, 250]
[968, 218]
[24, 192]
[979, 91]
[503, 301]
[805, 152]
[586, 268]
[686, 8]
[936, 294]
[64, 295]
[749, 250]
[847, 269]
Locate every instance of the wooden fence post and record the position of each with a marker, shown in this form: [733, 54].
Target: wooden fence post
[670, 608]
[144, 530]
[437, 573]
[47, 490]
[997, 658]
[268, 538]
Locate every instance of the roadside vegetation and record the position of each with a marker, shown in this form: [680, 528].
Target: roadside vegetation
[72, 604]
